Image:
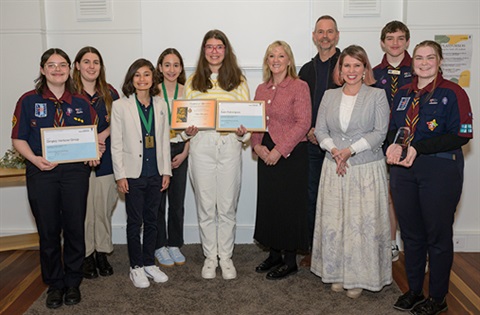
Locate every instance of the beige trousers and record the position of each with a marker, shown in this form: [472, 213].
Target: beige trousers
[101, 201]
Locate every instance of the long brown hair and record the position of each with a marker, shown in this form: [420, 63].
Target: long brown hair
[41, 80]
[171, 51]
[439, 54]
[229, 75]
[101, 84]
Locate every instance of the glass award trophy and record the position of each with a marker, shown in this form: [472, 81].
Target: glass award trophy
[402, 139]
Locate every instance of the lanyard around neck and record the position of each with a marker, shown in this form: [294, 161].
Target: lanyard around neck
[165, 96]
[146, 123]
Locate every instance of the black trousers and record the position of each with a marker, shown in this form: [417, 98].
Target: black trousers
[426, 196]
[142, 204]
[172, 234]
[58, 200]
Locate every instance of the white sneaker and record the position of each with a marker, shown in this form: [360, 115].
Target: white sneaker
[156, 274]
[228, 269]
[138, 277]
[176, 255]
[209, 268]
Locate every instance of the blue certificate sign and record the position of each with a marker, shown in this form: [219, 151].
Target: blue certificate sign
[232, 114]
[70, 144]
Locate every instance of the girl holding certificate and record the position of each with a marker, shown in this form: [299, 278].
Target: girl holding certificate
[281, 222]
[141, 164]
[57, 193]
[89, 80]
[216, 158]
[169, 239]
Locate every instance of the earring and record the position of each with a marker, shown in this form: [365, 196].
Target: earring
[363, 76]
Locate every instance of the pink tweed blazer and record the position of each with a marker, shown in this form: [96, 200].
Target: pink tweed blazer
[288, 111]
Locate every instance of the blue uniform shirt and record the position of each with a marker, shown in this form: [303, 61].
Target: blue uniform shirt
[444, 109]
[383, 74]
[98, 103]
[35, 111]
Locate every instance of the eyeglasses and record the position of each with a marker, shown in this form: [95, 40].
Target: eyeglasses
[54, 65]
[215, 47]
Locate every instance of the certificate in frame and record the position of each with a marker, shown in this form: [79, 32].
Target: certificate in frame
[70, 144]
[198, 113]
[232, 114]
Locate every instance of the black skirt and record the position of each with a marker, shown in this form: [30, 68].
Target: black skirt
[282, 200]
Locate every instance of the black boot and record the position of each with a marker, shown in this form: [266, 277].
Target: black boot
[104, 267]
[89, 267]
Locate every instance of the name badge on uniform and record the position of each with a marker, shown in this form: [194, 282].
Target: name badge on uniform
[173, 134]
[149, 142]
[394, 72]
[403, 103]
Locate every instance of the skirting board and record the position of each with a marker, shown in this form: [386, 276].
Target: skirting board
[464, 241]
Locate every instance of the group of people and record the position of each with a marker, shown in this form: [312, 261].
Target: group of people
[322, 165]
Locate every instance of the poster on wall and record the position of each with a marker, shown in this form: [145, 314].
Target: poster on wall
[457, 57]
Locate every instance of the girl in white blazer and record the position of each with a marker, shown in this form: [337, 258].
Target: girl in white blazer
[141, 164]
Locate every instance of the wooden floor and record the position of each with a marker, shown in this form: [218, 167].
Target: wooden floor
[21, 282]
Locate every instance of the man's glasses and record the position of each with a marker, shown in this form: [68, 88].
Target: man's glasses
[214, 47]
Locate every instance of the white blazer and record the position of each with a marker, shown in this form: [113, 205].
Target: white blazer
[128, 142]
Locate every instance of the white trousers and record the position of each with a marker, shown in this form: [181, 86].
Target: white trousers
[215, 167]
[101, 201]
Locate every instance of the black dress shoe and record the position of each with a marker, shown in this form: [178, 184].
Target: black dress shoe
[408, 301]
[104, 267]
[72, 296]
[54, 298]
[282, 272]
[430, 307]
[89, 267]
[268, 264]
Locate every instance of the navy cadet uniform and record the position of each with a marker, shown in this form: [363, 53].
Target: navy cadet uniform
[426, 194]
[104, 168]
[57, 197]
[384, 73]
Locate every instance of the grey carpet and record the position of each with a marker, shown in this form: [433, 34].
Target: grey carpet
[187, 293]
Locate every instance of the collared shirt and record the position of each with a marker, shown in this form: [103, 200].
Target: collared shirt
[383, 74]
[444, 109]
[149, 166]
[35, 111]
[105, 167]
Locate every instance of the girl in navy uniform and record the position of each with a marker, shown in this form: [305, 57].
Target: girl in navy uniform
[89, 80]
[427, 184]
[57, 192]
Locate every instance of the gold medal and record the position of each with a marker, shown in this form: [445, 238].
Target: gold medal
[149, 142]
[173, 134]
